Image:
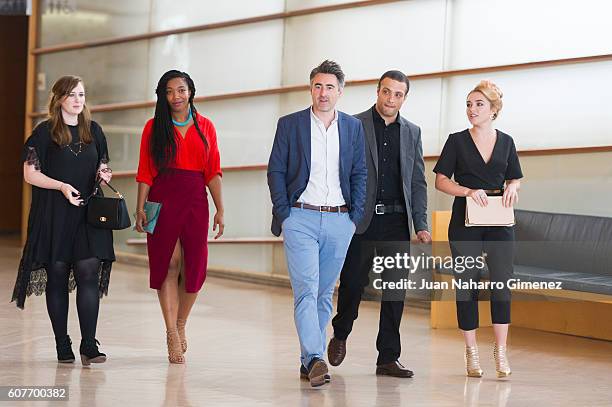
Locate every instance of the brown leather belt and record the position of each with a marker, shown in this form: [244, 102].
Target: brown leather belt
[493, 192]
[321, 208]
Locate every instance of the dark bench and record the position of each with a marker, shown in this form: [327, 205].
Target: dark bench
[575, 250]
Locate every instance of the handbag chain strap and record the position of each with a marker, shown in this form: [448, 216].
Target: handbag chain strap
[95, 191]
[110, 186]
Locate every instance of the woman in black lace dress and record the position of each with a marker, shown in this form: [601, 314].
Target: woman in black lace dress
[62, 160]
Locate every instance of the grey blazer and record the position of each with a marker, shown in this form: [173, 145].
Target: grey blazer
[412, 170]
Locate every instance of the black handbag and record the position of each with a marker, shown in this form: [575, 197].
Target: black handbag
[105, 212]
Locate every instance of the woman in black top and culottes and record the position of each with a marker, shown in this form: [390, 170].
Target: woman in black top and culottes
[63, 158]
[484, 163]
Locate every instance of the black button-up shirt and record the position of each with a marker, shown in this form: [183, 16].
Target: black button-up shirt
[389, 170]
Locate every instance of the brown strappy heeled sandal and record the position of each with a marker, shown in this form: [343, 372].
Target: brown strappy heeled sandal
[180, 326]
[175, 354]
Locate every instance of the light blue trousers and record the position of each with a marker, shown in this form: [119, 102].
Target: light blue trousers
[315, 246]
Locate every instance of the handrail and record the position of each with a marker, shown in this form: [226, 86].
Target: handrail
[522, 153]
[108, 107]
[205, 27]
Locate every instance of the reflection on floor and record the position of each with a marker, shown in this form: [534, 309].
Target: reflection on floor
[243, 352]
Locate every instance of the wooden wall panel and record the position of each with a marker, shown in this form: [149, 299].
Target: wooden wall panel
[13, 54]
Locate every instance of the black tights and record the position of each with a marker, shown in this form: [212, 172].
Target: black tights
[88, 297]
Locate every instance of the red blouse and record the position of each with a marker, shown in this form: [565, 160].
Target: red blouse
[191, 153]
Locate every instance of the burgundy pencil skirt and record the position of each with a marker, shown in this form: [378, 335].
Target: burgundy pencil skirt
[184, 216]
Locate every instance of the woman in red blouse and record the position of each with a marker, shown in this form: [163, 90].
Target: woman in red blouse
[179, 158]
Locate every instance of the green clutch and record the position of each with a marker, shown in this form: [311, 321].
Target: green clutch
[152, 210]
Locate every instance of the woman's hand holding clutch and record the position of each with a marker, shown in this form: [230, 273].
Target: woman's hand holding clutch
[479, 196]
[510, 197]
[141, 220]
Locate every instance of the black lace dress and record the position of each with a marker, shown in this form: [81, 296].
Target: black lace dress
[58, 230]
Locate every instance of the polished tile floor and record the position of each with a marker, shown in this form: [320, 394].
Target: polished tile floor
[243, 352]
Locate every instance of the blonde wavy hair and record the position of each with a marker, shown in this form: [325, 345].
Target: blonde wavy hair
[492, 93]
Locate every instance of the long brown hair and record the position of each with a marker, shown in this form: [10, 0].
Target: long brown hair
[59, 130]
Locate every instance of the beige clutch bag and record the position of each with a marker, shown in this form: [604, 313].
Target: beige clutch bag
[494, 214]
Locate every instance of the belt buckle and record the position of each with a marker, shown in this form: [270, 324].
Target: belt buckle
[323, 208]
[382, 210]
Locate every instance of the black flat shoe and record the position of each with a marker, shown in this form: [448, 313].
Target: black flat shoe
[90, 353]
[63, 346]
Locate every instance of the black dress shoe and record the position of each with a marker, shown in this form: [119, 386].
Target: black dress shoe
[395, 369]
[336, 351]
[90, 353]
[304, 374]
[317, 370]
[63, 346]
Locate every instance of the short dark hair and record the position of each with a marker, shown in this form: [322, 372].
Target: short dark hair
[329, 67]
[396, 76]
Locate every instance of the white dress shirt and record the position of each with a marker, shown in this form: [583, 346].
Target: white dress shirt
[323, 187]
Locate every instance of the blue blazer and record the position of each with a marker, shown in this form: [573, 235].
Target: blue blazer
[289, 165]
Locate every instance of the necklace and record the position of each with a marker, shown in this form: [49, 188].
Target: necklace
[182, 124]
[76, 153]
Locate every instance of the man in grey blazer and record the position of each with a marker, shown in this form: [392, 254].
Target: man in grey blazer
[396, 194]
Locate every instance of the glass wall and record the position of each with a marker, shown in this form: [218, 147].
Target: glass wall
[406, 35]
[498, 32]
[93, 20]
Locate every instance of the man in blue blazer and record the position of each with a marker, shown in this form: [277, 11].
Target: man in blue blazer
[317, 179]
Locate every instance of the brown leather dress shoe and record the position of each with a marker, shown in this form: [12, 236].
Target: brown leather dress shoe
[317, 370]
[395, 369]
[304, 374]
[336, 351]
